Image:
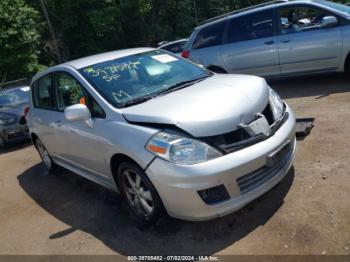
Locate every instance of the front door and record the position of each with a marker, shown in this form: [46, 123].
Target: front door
[82, 146]
[304, 44]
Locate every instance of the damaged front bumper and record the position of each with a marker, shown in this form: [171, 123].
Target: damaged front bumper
[235, 179]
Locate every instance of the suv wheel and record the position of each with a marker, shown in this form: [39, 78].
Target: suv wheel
[44, 154]
[139, 193]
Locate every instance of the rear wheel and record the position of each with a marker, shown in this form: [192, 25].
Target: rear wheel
[44, 154]
[139, 193]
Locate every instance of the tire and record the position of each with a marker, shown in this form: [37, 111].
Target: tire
[44, 155]
[2, 142]
[140, 195]
[347, 66]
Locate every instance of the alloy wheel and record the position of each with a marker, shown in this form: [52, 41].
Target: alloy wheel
[138, 194]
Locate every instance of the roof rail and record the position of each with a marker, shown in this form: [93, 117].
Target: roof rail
[243, 10]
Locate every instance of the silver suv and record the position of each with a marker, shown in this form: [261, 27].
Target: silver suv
[279, 38]
[164, 132]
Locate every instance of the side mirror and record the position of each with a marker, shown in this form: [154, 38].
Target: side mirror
[78, 112]
[329, 21]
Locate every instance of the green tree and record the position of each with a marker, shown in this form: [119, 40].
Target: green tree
[19, 40]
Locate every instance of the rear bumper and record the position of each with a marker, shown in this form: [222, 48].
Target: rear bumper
[14, 133]
[178, 186]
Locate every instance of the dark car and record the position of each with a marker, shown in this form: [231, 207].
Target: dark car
[14, 105]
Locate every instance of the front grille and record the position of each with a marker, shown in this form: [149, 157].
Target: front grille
[260, 176]
[239, 139]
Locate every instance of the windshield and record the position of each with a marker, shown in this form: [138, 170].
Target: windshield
[14, 96]
[339, 7]
[139, 76]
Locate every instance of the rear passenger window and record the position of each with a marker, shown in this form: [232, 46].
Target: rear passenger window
[42, 93]
[253, 26]
[71, 92]
[210, 36]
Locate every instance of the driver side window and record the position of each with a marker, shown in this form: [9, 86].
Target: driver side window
[71, 92]
[296, 19]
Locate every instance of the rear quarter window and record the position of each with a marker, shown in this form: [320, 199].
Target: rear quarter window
[210, 36]
[42, 93]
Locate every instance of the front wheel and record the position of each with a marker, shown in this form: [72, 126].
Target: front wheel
[45, 156]
[139, 193]
[347, 67]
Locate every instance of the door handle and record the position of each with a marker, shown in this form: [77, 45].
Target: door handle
[269, 42]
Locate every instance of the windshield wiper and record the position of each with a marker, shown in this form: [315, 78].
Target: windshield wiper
[136, 101]
[172, 88]
[181, 85]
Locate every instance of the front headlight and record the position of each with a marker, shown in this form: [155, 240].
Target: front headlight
[179, 149]
[277, 105]
[7, 121]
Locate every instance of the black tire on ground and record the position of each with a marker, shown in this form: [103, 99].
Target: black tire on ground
[140, 195]
[44, 155]
[2, 142]
[347, 66]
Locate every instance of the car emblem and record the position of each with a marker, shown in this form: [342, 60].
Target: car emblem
[258, 126]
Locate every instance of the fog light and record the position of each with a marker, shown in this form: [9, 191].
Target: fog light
[214, 195]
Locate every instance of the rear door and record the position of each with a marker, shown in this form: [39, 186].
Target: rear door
[304, 44]
[252, 44]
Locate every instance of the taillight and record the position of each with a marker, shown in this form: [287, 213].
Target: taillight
[26, 112]
[185, 54]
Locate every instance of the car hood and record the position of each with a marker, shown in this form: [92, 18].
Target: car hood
[214, 106]
[16, 110]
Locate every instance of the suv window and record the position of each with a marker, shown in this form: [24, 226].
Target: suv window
[296, 19]
[210, 36]
[252, 26]
[71, 92]
[42, 93]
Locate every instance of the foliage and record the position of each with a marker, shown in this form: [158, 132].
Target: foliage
[19, 39]
[85, 27]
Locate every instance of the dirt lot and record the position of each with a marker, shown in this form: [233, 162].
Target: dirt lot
[308, 213]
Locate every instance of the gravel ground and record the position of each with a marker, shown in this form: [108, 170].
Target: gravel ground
[308, 213]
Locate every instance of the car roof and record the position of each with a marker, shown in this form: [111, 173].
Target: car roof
[174, 42]
[13, 87]
[252, 9]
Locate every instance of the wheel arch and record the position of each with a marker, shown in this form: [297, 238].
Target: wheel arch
[34, 137]
[115, 162]
[217, 69]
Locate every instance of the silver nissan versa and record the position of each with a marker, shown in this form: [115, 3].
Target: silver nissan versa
[167, 134]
